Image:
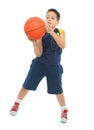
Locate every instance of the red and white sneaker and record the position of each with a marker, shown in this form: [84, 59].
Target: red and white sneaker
[64, 117]
[14, 109]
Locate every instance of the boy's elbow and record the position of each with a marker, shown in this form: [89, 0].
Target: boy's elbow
[63, 46]
[39, 55]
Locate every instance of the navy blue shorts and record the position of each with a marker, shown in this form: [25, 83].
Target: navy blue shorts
[53, 74]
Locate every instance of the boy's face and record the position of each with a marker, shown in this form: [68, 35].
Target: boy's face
[51, 19]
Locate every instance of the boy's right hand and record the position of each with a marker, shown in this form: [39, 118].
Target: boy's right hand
[33, 41]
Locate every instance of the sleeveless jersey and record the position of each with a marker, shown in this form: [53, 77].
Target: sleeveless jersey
[51, 51]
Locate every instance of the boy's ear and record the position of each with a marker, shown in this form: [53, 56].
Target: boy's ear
[58, 21]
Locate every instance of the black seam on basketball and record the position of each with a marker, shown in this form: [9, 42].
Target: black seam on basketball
[36, 28]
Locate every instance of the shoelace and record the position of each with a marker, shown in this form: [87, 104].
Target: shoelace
[15, 107]
[64, 114]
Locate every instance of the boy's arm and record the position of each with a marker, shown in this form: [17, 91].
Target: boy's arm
[60, 39]
[38, 49]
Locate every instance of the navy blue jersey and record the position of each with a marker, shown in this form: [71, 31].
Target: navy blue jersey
[51, 51]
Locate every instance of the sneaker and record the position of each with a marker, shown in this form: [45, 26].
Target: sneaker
[64, 116]
[14, 109]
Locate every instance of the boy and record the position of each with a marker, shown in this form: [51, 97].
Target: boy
[48, 52]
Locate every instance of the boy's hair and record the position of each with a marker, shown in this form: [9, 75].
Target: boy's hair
[56, 12]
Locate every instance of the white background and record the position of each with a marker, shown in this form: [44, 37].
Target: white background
[40, 110]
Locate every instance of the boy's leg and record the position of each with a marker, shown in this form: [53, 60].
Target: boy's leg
[61, 99]
[22, 93]
[64, 111]
[31, 82]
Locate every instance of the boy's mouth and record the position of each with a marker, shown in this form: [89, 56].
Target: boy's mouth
[48, 22]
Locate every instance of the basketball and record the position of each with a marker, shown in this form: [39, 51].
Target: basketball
[34, 28]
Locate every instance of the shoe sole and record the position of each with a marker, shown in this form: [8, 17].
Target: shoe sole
[63, 120]
[13, 113]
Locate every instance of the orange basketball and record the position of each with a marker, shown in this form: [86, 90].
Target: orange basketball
[34, 28]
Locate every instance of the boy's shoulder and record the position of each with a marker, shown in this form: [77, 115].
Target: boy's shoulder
[61, 30]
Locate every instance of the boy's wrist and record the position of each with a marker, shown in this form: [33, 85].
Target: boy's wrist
[51, 33]
[34, 43]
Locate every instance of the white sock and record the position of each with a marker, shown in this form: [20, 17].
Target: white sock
[63, 108]
[18, 100]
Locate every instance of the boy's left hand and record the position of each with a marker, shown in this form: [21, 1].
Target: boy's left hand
[49, 28]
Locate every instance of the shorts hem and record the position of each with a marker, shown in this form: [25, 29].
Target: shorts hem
[55, 92]
[29, 88]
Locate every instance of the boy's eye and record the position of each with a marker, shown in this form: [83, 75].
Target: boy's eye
[47, 16]
[50, 18]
